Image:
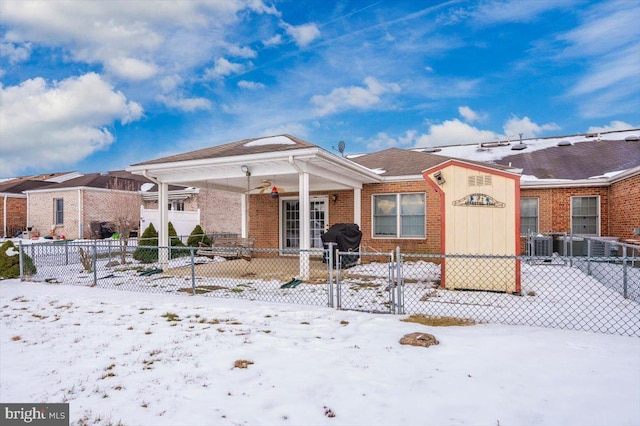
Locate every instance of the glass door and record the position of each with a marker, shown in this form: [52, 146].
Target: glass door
[291, 221]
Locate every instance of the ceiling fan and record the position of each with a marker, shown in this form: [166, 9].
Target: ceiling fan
[264, 186]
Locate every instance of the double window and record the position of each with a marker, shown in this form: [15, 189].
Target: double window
[585, 215]
[58, 206]
[529, 215]
[399, 215]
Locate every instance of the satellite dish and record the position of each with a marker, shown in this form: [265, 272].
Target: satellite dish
[341, 147]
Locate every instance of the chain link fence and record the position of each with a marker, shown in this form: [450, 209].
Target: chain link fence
[580, 293]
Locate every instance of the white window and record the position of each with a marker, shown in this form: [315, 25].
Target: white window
[585, 215]
[399, 215]
[529, 208]
[59, 211]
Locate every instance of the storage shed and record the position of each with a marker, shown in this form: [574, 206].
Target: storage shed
[480, 216]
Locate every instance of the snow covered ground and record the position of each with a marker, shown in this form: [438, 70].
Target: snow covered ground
[161, 359]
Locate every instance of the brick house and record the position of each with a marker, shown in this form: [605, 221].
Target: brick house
[75, 208]
[13, 206]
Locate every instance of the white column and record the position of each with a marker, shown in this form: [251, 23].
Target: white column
[305, 223]
[357, 206]
[244, 205]
[163, 232]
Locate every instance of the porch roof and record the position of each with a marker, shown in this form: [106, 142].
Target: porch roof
[278, 159]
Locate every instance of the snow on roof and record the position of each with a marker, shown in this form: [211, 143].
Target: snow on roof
[495, 151]
[273, 140]
[146, 187]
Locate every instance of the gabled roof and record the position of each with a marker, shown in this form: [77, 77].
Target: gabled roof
[244, 147]
[117, 179]
[16, 186]
[402, 162]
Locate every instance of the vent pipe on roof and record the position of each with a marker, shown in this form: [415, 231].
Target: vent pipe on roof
[519, 146]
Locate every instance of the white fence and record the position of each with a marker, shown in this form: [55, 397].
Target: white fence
[183, 221]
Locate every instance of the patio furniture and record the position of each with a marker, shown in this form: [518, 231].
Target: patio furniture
[228, 248]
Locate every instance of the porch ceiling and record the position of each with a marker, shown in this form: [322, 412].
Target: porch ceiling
[326, 171]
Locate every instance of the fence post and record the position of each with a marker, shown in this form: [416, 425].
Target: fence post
[193, 272]
[95, 262]
[20, 247]
[392, 281]
[109, 249]
[330, 263]
[624, 272]
[400, 282]
[66, 252]
[588, 256]
[338, 285]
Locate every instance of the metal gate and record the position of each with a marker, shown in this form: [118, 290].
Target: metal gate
[374, 284]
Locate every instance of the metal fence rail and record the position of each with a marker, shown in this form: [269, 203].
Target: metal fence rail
[586, 293]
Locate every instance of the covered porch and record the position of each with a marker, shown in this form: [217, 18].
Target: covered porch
[292, 190]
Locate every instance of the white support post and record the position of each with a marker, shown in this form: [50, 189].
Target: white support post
[357, 206]
[305, 225]
[244, 203]
[163, 232]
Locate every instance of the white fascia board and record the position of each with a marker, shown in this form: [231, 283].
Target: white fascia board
[13, 195]
[624, 175]
[559, 183]
[407, 178]
[225, 161]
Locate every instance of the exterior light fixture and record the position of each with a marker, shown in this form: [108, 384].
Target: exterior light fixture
[438, 177]
[245, 170]
[274, 192]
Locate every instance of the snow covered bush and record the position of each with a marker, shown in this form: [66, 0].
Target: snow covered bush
[10, 262]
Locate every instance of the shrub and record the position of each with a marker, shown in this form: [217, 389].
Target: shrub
[147, 250]
[10, 264]
[198, 236]
[175, 242]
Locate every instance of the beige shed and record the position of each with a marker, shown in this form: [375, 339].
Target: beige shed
[480, 216]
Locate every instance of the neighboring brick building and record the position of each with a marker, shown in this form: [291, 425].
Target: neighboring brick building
[76, 208]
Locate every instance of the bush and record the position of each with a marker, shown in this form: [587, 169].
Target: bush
[147, 250]
[10, 264]
[198, 236]
[174, 241]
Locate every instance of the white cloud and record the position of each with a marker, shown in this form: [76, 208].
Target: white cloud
[273, 41]
[612, 126]
[241, 52]
[454, 132]
[250, 85]
[59, 124]
[515, 125]
[514, 10]
[223, 68]
[383, 141]
[294, 129]
[355, 97]
[15, 53]
[470, 115]
[131, 69]
[302, 34]
[185, 104]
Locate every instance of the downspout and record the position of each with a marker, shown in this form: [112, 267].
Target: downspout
[4, 219]
[80, 208]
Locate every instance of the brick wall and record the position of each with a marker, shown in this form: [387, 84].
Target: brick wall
[264, 222]
[433, 217]
[42, 213]
[16, 215]
[106, 206]
[624, 203]
[220, 211]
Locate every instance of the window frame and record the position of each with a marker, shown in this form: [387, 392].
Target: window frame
[398, 214]
[597, 214]
[58, 213]
[537, 216]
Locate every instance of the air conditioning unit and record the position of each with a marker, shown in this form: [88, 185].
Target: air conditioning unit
[541, 246]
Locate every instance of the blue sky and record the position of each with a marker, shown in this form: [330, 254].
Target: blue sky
[99, 85]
